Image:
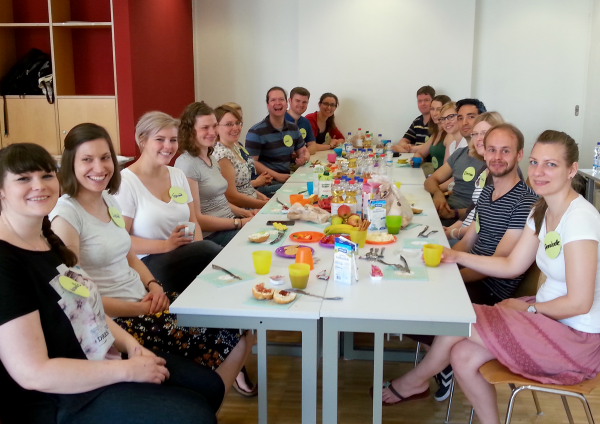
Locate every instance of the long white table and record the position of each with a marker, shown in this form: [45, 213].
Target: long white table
[439, 305]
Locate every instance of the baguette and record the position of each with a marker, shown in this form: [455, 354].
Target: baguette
[283, 296]
[261, 292]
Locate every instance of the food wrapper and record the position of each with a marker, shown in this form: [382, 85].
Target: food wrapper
[396, 204]
[309, 213]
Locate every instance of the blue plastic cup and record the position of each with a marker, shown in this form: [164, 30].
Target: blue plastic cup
[416, 162]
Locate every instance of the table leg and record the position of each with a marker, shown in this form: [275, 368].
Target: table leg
[261, 344]
[377, 376]
[330, 373]
[309, 372]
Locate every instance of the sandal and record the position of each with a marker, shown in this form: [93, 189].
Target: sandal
[248, 382]
[401, 399]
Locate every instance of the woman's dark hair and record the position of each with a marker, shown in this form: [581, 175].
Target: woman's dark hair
[330, 123]
[187, 131]
[20, 158]
[78, 135]
[434, 129]
[571, 156]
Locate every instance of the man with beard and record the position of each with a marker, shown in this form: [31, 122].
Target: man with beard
[500, 216]
[273, 141]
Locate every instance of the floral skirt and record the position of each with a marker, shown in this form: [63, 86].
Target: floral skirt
[205, 346]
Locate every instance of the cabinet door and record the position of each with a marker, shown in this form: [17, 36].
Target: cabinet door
[31, 120]
[101, 111]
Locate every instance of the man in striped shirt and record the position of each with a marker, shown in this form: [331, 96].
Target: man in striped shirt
[500, 214]
[418, 131]
[273, 141]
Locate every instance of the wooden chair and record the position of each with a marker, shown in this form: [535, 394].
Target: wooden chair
[532, 280]
[496, 373]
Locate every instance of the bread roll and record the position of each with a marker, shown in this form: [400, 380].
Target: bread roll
[261, 292]
[283, 296]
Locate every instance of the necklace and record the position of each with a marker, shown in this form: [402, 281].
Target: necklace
[31, 246]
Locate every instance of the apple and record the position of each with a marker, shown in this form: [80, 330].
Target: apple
[354, 220]
[344, 211]
[337, 220]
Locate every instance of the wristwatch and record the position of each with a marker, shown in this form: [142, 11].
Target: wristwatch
[532, 309]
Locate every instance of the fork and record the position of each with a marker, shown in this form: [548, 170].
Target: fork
[313, 295]
[422, 233]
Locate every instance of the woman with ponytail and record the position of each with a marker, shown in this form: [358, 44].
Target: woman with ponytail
[552, 337]
[60, 354]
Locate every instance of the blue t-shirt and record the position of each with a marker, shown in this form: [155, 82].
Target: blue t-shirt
[304, 125]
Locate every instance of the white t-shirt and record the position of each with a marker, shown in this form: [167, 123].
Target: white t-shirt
[581, 221]
[152, 218]
[103, 248]
[452, 147]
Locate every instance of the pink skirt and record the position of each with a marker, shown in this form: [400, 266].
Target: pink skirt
[538, 347]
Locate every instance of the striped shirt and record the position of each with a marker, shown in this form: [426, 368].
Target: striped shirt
[274, 147]
[418, 131]
[495, 217]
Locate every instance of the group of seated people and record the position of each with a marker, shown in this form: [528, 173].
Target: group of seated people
[90, 276]
[500, 224]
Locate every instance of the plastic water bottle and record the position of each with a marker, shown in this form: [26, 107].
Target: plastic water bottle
[389, 153]
[596, 166]
[348, 144]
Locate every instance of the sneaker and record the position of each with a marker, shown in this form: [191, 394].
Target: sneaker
[444, 380]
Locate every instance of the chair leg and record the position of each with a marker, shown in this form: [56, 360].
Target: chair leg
[471, 415]
[567, 409]
[448, 409]
[417, 353]
[537, 403]
[587, 409]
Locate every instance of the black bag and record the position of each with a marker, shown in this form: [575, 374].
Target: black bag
[26, 77]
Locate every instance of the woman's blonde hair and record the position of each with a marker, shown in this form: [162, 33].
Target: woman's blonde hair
[492, 118]
[152, 122]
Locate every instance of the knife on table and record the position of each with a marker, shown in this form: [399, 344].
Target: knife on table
[220, 268]
[280, 235]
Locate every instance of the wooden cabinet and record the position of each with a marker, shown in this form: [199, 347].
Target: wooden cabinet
[79, 35]
[75, 110]
[31, 120]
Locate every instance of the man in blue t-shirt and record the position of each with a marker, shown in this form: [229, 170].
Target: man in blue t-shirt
[273, 141]
[299, 97]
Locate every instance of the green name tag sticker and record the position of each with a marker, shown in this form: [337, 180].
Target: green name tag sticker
[117, 218]
[178, 194]
[477, 226]
[288, 140]
[552, 244]
[73, 286]
[303, 133]
[327, 139]
[481, 180]
[469, 174]
[434, 162]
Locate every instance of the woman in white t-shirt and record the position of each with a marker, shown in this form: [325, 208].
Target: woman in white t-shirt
[553, 337]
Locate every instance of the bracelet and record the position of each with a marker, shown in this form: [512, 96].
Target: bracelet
[237, 224]
[459, 232]
[153, 281]
[452, 235]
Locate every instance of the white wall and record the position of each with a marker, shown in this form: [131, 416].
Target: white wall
[532, 61]
[373, 55]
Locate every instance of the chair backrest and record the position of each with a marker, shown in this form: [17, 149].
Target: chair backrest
[531, 282]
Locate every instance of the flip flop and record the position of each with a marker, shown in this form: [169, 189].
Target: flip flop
[248, 382]
[401, 399]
